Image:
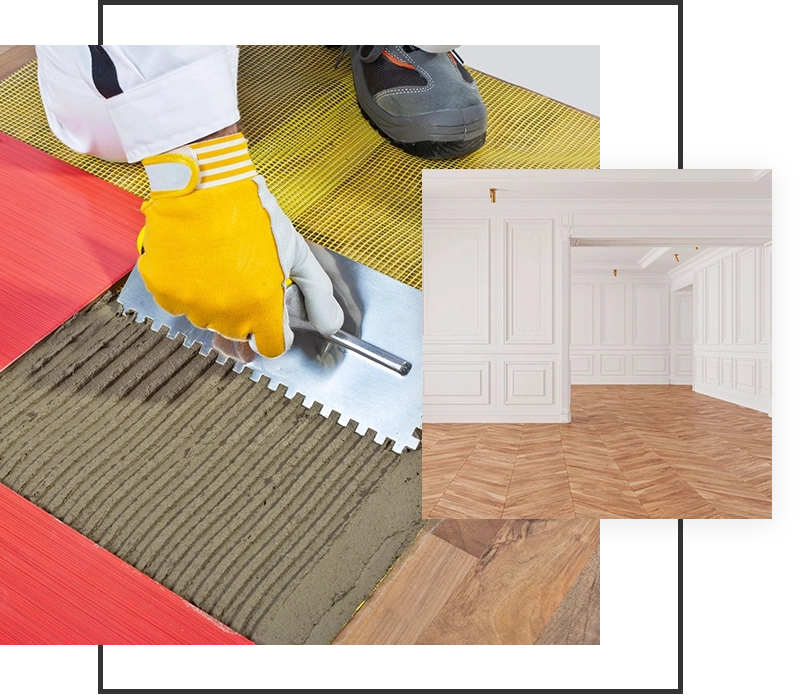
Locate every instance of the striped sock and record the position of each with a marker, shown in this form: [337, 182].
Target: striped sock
[223, 160]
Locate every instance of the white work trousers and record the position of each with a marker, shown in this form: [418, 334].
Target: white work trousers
[165, 96]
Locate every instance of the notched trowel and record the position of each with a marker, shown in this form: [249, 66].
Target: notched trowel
[369, 372]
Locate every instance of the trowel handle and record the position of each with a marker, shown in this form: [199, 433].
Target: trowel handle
[378, 355]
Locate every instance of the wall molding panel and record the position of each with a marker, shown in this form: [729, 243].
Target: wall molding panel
[682, 330]
[493, 326]
[528, 288]
[582, 314]
[624, 329]
[508, 323]
[457, 306]
[527, 383]
[452, 383]
[711, 305]
[732, 287]
[746, 297]
[612, 314]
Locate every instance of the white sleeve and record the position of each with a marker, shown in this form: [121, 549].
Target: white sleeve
[438, 46]
[168, 96]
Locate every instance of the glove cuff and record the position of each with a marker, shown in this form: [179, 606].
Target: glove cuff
[201, 165]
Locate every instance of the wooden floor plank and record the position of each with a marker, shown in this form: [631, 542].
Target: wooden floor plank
[629, 452]
[408, 599]
[12, 58]
[577, 619]
[511, 593]
[473, 536]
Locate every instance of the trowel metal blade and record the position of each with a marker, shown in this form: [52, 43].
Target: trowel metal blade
[378, 309]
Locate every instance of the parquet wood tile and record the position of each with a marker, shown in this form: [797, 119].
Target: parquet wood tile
[576, 621]
[488, 582]
[483, 483]
[630, 451]
[410, 600]
[473, 536]
[509, 596]
[12, 58]
[432, 434]
[539, 491]
[443, 458]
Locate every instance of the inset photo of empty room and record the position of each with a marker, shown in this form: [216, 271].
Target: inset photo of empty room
[597, 344]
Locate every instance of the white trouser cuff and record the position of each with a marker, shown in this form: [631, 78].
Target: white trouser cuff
[180, 107]
[436, 49]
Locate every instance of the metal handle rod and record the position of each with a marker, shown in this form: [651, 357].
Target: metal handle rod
[372, 352]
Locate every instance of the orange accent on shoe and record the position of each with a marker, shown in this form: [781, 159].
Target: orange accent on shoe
[396, 61]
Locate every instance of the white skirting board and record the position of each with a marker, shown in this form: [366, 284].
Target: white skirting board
[760, 403]
[463, 417]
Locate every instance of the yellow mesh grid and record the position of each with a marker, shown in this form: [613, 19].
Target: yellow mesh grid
[342, 184]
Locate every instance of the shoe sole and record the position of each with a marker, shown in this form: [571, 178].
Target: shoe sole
[431, 149]
[431, 136]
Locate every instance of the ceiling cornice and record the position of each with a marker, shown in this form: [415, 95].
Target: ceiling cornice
[652, 255]
[698, 258]
[597, 175]
[607, 267]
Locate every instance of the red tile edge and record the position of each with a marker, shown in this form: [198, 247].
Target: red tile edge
[58, 587]
[66, 236]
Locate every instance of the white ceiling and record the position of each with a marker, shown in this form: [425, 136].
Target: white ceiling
[597, 184]
[602, 184]
[638, 259]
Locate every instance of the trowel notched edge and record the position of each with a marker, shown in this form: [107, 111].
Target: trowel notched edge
[343, 383]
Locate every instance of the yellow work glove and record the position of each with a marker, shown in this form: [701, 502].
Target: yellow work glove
[217, 247]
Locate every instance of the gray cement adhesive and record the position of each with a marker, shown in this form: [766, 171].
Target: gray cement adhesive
[274, 520]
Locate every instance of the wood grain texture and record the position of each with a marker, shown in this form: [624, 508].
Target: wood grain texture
[519, 578]
[539, 487]
[514, 589]
[409, 598]
[660, 452]
[473, 536]
[576, 621]
[12, 58]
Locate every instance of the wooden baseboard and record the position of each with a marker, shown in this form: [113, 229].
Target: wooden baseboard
[12, 58]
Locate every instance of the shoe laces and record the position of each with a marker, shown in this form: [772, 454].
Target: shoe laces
[374, 53]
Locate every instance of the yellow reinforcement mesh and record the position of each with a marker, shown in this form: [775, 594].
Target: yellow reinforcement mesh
[341, 183]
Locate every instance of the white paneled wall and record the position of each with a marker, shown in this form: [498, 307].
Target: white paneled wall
[621, 332]
[733, 326]
[681, 369]
[501, 302]
[492, 305]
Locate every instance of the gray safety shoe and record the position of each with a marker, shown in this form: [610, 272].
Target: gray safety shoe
[425, 103]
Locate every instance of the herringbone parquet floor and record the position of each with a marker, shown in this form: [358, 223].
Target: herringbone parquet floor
[630, 452]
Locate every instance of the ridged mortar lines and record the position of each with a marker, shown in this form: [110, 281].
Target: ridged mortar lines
[286, 572]
[94, 427]
[228, 493]
[305, 523]
[44, 375]
[143, 435]
[135, 446]
[91, 421]
[62, 390]
[219, 520]
[138, 485]
[238, 512]
[160, 534]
